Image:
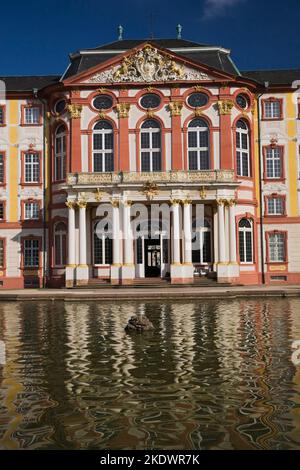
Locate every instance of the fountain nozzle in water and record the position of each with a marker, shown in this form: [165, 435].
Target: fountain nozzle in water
[139, 323]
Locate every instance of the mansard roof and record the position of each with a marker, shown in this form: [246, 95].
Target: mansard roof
[212, 56]
[273, 77]
[28, 83]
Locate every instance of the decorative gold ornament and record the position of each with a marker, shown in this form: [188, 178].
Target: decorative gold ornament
[70, 204]
[202, 193]
[102, 90]
[225, 106]
[175, 108]
[74, 110]
[115, 202]
[150, 88]
[101, 114]
[175, 202]
[150, 114]
[221, 202]
[198, 112]
[198, 88]
[231, 202]
[98, 195]
[150, 190]
[186, 201]
[123, 110]
[82, 204]
[128, 203]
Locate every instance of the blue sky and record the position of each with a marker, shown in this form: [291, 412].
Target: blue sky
[36, 36]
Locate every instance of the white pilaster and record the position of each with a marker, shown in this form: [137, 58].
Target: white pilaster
[82, 271]
[176, 232]
[232, 233]
[70, 268]
[128, 269]
[187, 227]
[115, 272]
[221, 232]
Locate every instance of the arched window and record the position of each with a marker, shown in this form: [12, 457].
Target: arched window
[246, 241]
[242, 148]
[102, 245]
[60, 236]
[60, 154]
[103, 147]
[201, 243]
[150, 146]
[198, 145]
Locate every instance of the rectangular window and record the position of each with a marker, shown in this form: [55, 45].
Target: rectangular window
[32, 168]
[272, 109]
[32, 115]
[276, 247]
[32, 210]
[102, 250]
[273, 162]
[31, 253]
[1, 253]
[2, 169]
[275, 206]
[1, 210]
[2, 116]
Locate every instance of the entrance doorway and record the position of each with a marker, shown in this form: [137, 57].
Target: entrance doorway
[152, 258]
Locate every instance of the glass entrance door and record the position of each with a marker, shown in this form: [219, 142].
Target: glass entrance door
[152, 258]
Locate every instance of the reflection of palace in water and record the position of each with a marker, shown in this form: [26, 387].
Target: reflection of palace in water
[211, 375]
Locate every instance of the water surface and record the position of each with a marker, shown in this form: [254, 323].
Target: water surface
[213, 375]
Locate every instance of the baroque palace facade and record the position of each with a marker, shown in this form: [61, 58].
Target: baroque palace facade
[161, 121]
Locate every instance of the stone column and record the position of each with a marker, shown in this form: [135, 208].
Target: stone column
[128, 242]
[116, 266]
[71, 244]
[180, 273]
[221, 231]
[176, 231]
[232, 233]
[187, 228]
[82, 233]
[82, 272]
[128, 268]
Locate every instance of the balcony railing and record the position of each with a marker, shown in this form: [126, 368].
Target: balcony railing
[198, 177]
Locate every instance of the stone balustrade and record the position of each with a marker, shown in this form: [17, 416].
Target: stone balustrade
[198, 177]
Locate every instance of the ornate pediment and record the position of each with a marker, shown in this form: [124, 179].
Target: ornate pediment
[148, 65]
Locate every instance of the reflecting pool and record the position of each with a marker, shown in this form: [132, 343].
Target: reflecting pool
[212, 375]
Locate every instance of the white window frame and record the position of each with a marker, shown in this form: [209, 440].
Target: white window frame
[273, 157]
[2, 253]
[61, 234]
[32, 115]
[274, 199]
[198, 149]
[2, 168]
[32, 167]
[31, 210]
[103, 237]
[200, 231]
[270, 109]
[104, 151]
[60, 156]
[245, 230]
[274, 247]
[31, 246]
[240, 151]
[150, 150]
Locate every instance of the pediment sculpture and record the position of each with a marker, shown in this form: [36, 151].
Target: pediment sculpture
[148, 65]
